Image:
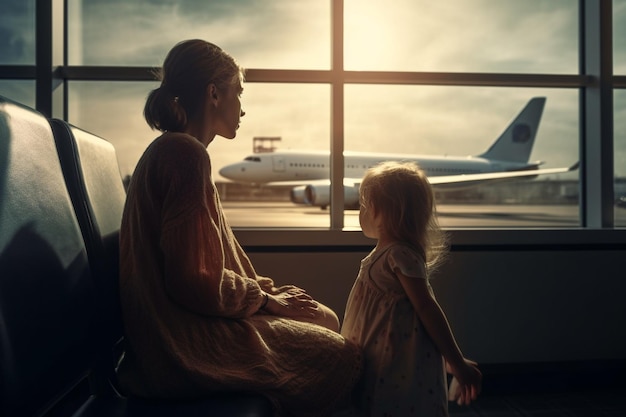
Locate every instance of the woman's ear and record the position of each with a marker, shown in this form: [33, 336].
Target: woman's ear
[212, 93]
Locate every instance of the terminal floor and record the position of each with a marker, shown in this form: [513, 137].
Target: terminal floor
[562, 404]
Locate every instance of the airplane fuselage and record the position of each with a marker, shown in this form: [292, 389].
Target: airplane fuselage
[315, 165]
[506, 159]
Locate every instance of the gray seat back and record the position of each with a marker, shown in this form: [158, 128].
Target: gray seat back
[47, 295]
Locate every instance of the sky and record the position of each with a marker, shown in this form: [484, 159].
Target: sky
[509, 36]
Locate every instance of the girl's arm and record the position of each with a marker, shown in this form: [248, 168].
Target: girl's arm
[436, 324]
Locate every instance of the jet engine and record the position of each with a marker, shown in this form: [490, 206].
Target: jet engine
[319, 195]
[297, 194]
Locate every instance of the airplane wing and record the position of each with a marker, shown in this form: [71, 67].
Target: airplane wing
[347, 182]
[471, 179]
[466, 179]
[317, 193]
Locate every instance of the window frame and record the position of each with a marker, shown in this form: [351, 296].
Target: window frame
[595, 82]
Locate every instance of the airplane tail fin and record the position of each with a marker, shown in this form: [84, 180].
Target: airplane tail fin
[516, 142]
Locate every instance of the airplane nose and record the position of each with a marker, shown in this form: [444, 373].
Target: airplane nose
[231, 171]
[224, 172]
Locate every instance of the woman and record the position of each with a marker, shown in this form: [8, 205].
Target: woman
[197, 316]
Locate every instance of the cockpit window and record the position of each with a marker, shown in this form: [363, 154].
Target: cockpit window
[252, 159]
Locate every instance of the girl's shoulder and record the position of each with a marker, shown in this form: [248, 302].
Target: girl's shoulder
[406, 259]
[402, 248]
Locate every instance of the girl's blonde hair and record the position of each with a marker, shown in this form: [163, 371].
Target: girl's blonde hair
[400, 193]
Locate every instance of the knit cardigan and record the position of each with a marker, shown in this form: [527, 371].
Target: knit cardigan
[191, 299]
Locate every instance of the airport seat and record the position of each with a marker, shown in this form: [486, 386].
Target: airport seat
[61, 198]
[93, 180]
[47, 346]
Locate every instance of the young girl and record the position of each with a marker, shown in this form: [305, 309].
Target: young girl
[392, 312]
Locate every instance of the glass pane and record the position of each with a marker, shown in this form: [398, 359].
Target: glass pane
[297, 114]
[259, 33]
[17, 32]
[114, 111]
[22, 91]
[620, 157]
[282, 118]
[619, 37]
[512, 36]
[434, 125]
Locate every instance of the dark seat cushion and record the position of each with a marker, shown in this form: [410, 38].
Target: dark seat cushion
[46, 291]
[95, 186]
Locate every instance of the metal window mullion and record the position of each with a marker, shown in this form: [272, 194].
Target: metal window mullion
[337, 118]
[596, 109]
[472, 79]
[49, 40]
[619, 81]
[43, 57]
[65, 45]
[117, 73]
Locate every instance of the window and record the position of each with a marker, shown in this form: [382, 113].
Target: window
[17, 50]
[619, 117]
[619, 37]
[17, 32]
[299, 114]
[282, 34]
[505, 36]
[620, 158]
[340, 76]
[465, 121]
[22, 91]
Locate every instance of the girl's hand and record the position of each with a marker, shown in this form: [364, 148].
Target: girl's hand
[469, 380]
[292, 302]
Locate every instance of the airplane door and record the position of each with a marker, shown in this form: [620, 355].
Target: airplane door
[278, 164]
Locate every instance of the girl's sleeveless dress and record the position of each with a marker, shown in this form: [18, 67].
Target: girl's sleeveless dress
[404, 373]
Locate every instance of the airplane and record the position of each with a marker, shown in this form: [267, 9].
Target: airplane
[507, 158]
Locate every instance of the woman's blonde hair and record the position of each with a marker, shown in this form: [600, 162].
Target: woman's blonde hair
[189, 67]
[400, 193]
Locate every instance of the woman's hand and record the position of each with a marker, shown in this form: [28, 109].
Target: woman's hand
[291, 302]
[286, 288]
[469, 381]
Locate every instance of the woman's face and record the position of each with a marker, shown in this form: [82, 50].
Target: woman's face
[229, 112]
